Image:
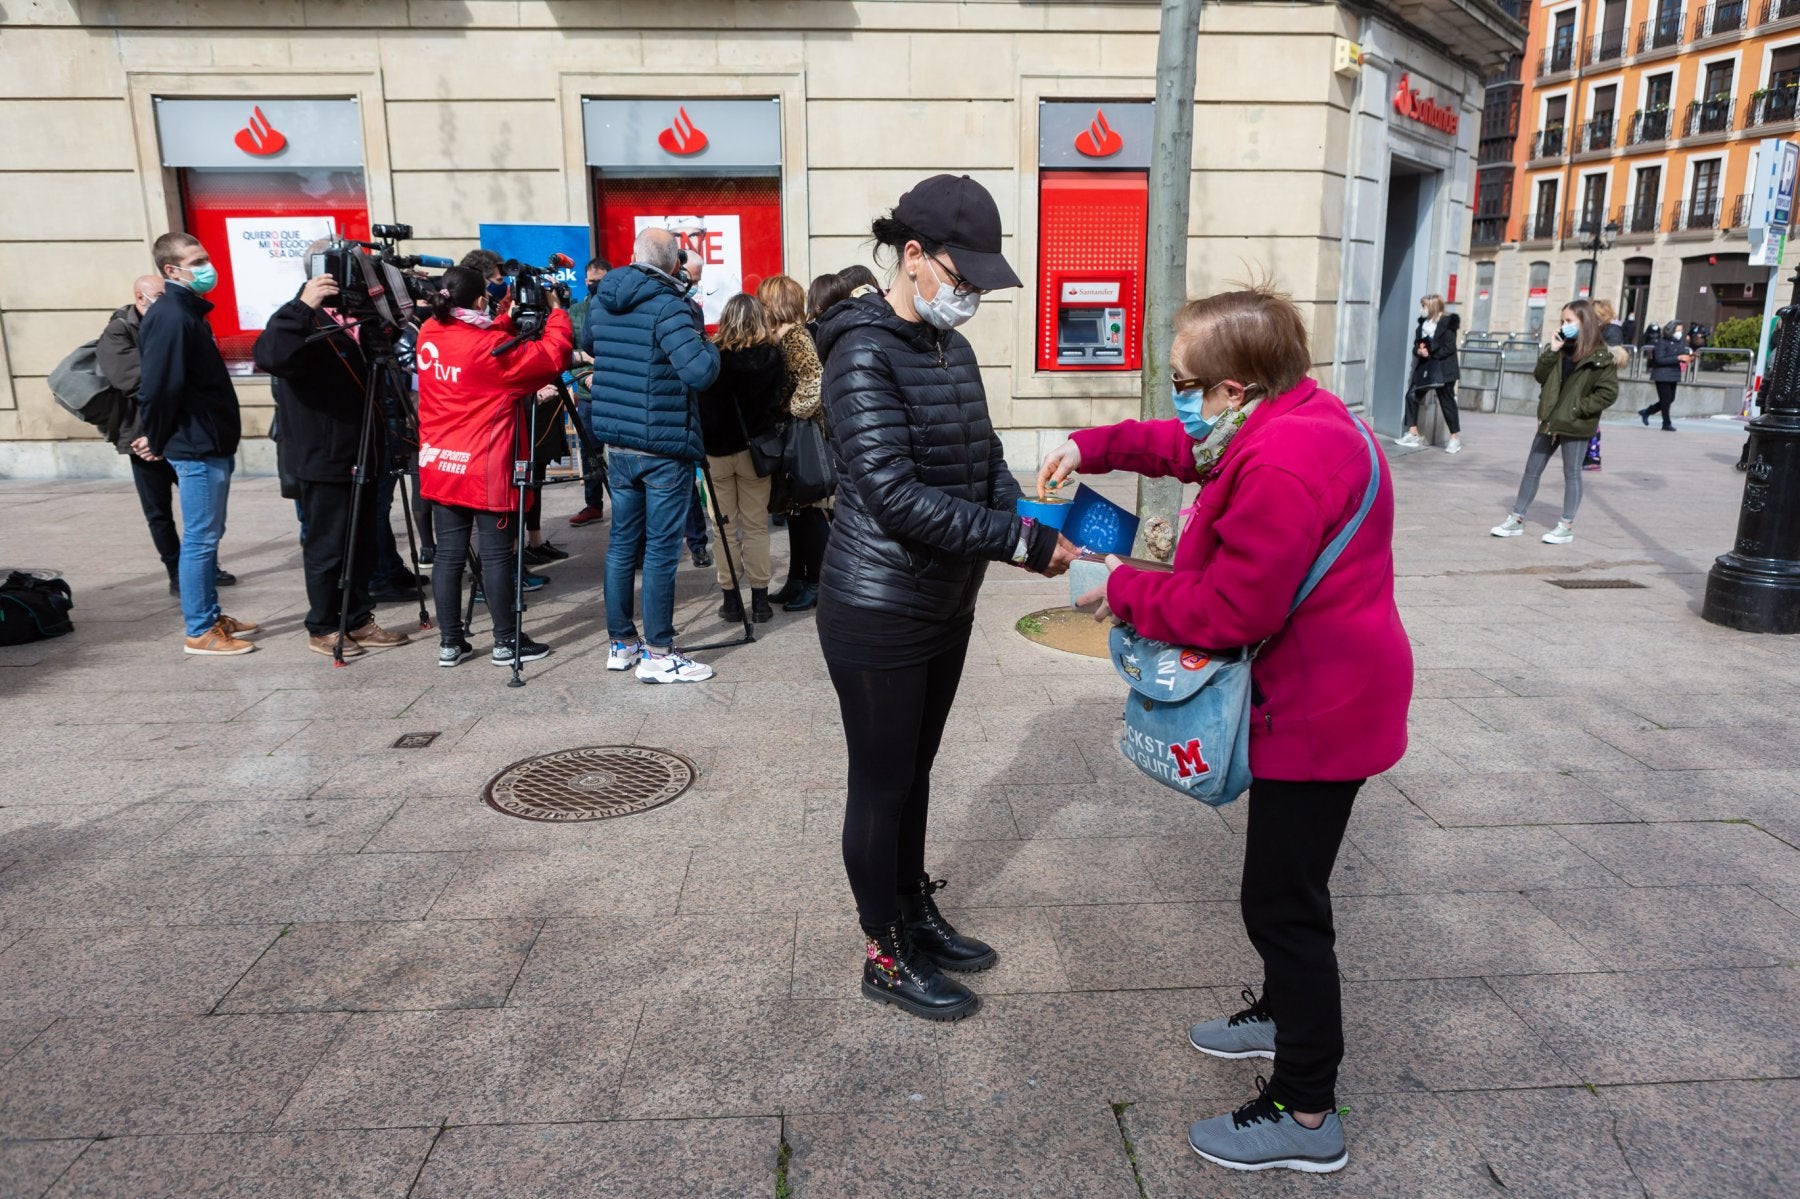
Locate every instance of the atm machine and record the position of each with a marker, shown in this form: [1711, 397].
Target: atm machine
[1091, 318]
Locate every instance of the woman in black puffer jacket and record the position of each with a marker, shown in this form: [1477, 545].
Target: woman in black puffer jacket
[924, 503]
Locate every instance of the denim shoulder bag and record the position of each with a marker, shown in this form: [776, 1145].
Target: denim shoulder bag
[1187, 716]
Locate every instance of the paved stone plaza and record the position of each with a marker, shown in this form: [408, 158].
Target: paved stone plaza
[247, 948]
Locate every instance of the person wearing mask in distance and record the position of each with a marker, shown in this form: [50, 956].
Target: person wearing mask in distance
[117, 356]
[1434, 370]
[650, 353]
[1667, 358]
[1613, 333]
[694, 529]
[924, 502]
[469, 406]
[321, 380]
[1578, 379]
[1282, 468]
[593, 484]
[190, 415]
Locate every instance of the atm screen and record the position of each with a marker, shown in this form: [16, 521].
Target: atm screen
[1078, 327]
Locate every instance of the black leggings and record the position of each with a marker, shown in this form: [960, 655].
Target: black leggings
[495, 533]
[1665, 402]
[808, 530]
[893, 723]
[1446, 398]
[1290, 849]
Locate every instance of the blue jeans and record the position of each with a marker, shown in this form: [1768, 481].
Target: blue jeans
[593, 487]
[204, 486]
[695, 528]
[650, 505]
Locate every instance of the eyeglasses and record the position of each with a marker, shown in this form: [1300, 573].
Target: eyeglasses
[1184, 384]
[962, 286]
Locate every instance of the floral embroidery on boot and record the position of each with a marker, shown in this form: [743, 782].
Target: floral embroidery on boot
[881, 966]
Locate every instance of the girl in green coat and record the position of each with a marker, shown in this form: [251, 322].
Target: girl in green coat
[1578, 379]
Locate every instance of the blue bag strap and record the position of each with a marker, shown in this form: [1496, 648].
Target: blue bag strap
[1329, 557]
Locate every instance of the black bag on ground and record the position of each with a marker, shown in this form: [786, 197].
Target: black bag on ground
[34, 607]
[806, 474]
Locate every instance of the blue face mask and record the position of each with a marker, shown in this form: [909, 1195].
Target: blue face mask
[1571, 331]
[497, 290]
[206, 277]
[1187, 407]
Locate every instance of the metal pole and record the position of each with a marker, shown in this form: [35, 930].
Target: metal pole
[1165, 274]
[1770, 306]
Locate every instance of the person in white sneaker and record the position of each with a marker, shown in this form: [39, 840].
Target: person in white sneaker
[1434, 369]
[1578, 380]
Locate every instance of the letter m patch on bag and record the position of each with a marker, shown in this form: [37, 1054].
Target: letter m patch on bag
[1187, 716]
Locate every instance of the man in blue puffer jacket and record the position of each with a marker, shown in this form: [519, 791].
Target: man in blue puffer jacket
[651, 353]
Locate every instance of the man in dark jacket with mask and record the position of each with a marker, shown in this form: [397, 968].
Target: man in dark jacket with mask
[321, 380]
[154, 478]
[650, 352]
[190, 414]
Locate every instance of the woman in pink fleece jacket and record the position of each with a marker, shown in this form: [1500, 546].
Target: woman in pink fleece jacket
[1282, 468]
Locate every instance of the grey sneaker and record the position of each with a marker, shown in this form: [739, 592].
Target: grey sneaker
[1261, 1135]
[1250, 1033]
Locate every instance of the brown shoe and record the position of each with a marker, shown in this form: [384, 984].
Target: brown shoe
[325, 643]
[233, 626]
[376, 637]
[216, 642]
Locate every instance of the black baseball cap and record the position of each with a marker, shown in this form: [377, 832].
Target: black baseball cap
[960, 214]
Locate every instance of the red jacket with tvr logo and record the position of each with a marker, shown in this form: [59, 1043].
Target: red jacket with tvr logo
[469, 406]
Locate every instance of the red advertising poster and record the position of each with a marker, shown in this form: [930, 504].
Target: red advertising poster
[256, 224]
[734, 224]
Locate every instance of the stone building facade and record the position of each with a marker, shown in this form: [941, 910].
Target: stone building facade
[1313, 167]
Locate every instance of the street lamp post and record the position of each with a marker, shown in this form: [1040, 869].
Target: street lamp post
[1600, 237]
[1756, 587]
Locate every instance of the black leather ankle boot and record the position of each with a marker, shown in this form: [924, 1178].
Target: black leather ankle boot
[933, 934]
[896, 972]
[760, 612]
[732, 610]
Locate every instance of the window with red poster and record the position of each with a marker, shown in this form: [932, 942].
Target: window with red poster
[733, 223]
[256, 223]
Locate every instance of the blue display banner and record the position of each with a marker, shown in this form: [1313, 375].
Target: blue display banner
[534, 244]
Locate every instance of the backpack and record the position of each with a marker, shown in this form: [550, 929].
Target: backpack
[81, 389]
[33, 607]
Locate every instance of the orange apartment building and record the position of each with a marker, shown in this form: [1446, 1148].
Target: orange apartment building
[1636, 127]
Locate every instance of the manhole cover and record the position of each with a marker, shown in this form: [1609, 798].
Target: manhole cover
[597, 783]
[1595, 584]
[1066, 629]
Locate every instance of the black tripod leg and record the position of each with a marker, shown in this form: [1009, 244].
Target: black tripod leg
[522, 478]
[712, 493]
[359, 482]
[412, 548]
[475, 583]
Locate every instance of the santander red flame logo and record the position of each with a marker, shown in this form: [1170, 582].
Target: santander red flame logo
[1099, 139]
[682, 137]
[259, 137]
[1408, 103]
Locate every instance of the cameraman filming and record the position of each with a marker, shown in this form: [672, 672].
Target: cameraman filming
[321, 379]
[469, 402]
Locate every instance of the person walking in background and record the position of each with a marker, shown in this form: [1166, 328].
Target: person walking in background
[117, 357]
[1613, 333]
[1577, 381]
[1282, 468]
[1668, 358]
[924, 502]
[190, 414]
[593, 484]
[808, 527]
[1434, 369]
[746, 401]
[650, 354]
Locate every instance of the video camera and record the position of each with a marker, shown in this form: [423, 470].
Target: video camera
[531, 291]
[374, 283]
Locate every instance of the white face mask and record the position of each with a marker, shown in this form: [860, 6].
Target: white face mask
[946, 310]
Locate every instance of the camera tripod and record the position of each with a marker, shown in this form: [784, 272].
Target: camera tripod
[383, 371]
[721, 522]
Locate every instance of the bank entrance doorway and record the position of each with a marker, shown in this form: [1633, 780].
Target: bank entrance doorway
[1405, 277]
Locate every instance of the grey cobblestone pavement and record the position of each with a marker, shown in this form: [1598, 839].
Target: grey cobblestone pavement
[246, 948]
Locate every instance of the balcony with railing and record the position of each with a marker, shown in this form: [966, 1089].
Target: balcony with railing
[1556, 60]
[1717, 20]
[1645, 218]
[1548, 143]
[1661, 32]
[1740, 212]
[1603, 48]
[1707, 117]
[1772, 106]
[1649, 126]
[1696, 216]
[1489, 230]
[1779, 10]
[1538, 226]
[1596, 134]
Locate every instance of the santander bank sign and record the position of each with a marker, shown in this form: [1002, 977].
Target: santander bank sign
[1408, 103]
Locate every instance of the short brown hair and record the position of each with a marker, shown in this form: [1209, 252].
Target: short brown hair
[743, 323]
[782, 297]
[170, 247]
[1256, 337]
